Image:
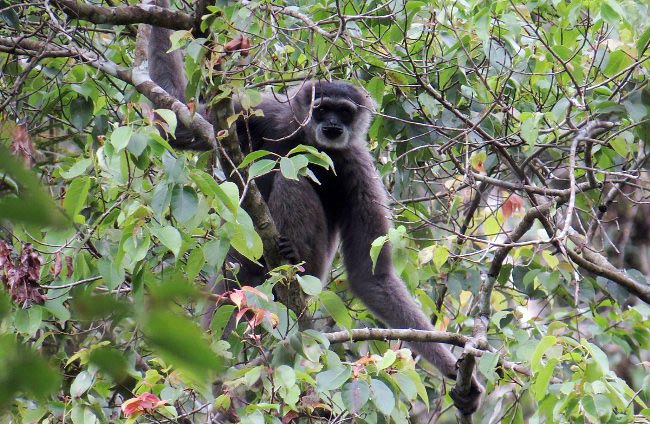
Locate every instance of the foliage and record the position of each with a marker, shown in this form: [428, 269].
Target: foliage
[482, 107]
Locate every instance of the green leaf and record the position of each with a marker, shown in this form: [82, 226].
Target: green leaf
[406, 385]
[111, 362]
[76, 195]
[169, 117]
[112, 273]
[195, 263]
[336, 308]
[643, 42]
[184, 203]
[215, 251]
[530, 128]
[544, 344]
[618, 60]
[253, 375]
[261, 167]
[226, 192]
[121, 137]
[543, 378]
[182, 344]
[310, 284]
[376, 89]
[160, 199]
[620, 146]
[300, 162]
[178, 39]
[612, 11]
[288, 168]
[387, 360]
[415, 378]
[27, 321]
[28, 203]
[220, 320]
[285, 376]
[440, 256]
[355, 395]
[81, 110]
[9, 15]
[482, 24]
[601, 357]
[76, 169]
[170, 237]
[253, 156]
[23, 372]
[431, 106]
[138, 143]
[375, 249]
[243, 236]
[382, 397]
[487, 365]
[333, 378]
[81, 384]
[81, 414]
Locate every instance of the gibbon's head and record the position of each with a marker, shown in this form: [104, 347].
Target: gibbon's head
[335, 114]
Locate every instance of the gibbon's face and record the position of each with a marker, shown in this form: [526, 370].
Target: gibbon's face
[337, 113]
[332, 121]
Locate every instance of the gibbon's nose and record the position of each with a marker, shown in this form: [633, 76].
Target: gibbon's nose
[332, 132]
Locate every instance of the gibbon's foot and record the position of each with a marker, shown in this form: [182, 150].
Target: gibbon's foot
[288, 250]
[468, 403]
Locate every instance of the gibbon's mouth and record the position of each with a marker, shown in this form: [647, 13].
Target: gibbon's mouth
[332, 133]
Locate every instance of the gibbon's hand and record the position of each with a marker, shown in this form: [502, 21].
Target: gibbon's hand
[288, 250]
[468, 403]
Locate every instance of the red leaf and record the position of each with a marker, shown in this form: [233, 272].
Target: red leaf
[22, 145]
[255, 291]
[68, 264]
[58, 264]
[145, 402]
[512, 204]
[240, 314]
[30, 262]
[238, 297]
[289, 417]
[240, 43]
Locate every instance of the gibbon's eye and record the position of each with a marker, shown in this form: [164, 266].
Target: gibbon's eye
[319, 113]
[346, 115]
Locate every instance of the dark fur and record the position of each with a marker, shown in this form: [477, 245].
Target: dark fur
[351, 204]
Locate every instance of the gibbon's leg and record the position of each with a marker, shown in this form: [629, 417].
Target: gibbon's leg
[382, 291]
[168, 71]
[299, 216]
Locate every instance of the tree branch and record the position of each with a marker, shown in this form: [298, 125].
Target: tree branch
[407, 335]
[599, 265]
[125, 15]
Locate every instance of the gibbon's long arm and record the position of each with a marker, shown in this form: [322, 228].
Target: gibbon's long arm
[382, 291]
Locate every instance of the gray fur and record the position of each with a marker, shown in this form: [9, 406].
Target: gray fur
[350, 205]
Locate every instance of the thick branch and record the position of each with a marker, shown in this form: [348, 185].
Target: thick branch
[407, 335]
[411, 335]
[599, 265]
[124, 15]
[27, 47]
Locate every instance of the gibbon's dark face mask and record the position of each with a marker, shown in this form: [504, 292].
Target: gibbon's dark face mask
[331, 122]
